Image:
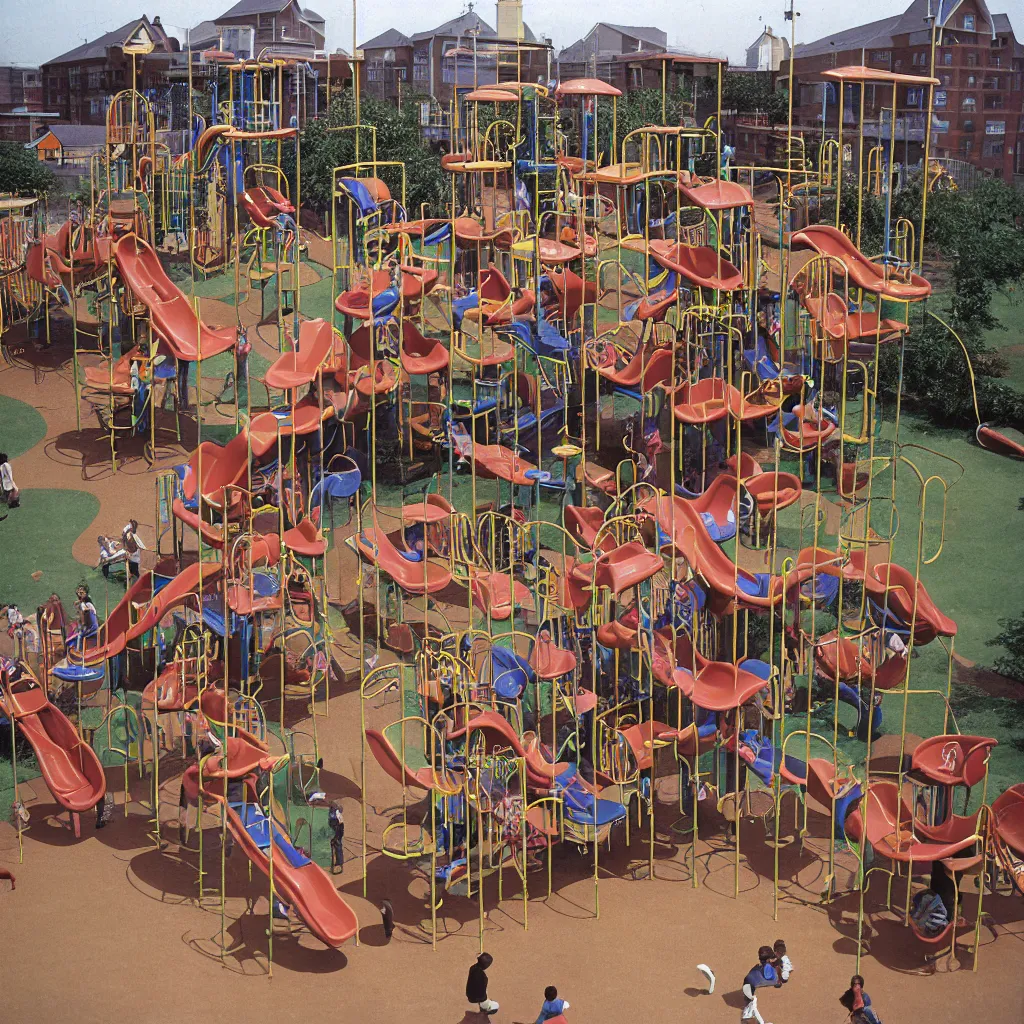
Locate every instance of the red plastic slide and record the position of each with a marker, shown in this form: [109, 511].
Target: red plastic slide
[680, 521]
[423, 778]
[174, 594]
[892, 585]
[700, 265]
[172, 315]
[894, 834]
[872, 277]
[298, 881]
[69, 765]
[422, 577]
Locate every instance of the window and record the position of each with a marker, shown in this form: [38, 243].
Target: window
[947, 58]
[972, 59]
[400, 74]
[921, 58]
[966, 145]
[971, 81]
[967, 126]
[95, 107]
[968, 22]
[992, 147]
[880, 56]
[993, 102]
[95, 79]
[995, 127]
[389, 56]
[915, 97]
[994, 60]
[940, 98]
[969, 103]
[947, 80]
[420, 72]
[374, 73]
[284, 31]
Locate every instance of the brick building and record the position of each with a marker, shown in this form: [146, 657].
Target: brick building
[78, 84]
[632, 57]
[278, 27]
[977, 106]
[21, 103]
[596, 55]
[461, 51]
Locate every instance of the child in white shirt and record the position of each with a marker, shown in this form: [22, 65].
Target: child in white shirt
[783, 965]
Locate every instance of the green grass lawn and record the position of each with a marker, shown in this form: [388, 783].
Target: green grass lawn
[21, 428]
[1008, 340]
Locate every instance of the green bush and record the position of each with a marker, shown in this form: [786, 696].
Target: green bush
[976, 236]
[398, 138]
[21, 171]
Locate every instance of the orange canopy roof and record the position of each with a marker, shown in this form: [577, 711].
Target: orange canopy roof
[859, 73]
[586, 87]
[491, 94]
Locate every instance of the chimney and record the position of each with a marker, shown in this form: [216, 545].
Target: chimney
[510, 19]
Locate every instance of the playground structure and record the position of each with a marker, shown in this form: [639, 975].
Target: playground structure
[597, 465]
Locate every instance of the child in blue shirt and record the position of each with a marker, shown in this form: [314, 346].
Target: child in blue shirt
[553, 1006]
[763, 974]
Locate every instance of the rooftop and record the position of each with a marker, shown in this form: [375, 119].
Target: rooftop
[879, 34]
[76, 136]
[462, 25]
[244, 7]
[386, 40]
[98, 47]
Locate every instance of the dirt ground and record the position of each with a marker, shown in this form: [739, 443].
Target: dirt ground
[119, 924]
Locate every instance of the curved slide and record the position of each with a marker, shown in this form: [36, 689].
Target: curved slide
[872, 277]
[678, 520]
[72, 770]
[173, 317]
[298, 881]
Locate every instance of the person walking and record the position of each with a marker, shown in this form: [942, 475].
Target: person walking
[759, 976]
[8, 488]
[476, 985]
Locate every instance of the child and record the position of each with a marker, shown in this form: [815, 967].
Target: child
[858, 1002]
[87, 621]
[476, 985]
[8, 488]
[762, 974]
[336, 821]
[132, 543]
[783, 965]
[552, 1006]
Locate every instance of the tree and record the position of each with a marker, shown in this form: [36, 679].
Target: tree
[749, 92]
[323, 148]
[21, 171]
[1012, 638]
[637, 109]
[974, 234]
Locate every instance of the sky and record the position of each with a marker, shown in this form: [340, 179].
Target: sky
[33, 32]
